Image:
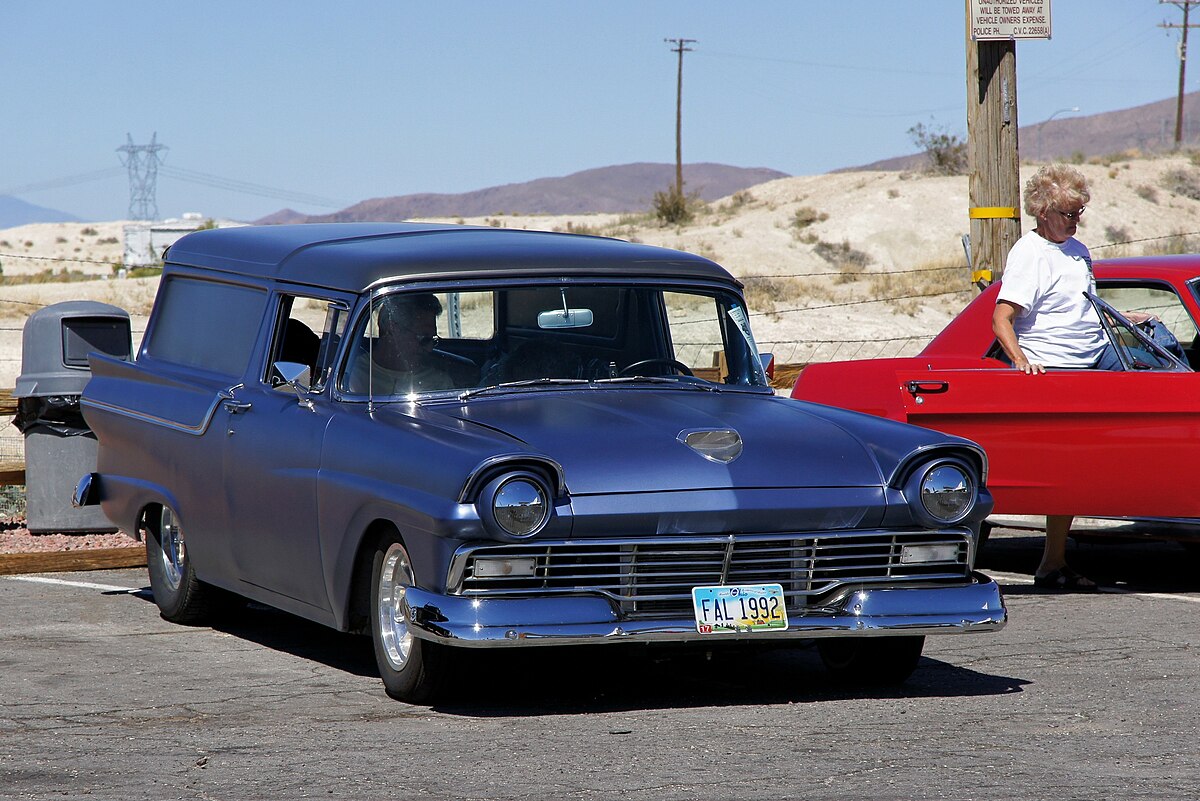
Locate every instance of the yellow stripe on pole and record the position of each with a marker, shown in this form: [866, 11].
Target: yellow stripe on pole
[995, 213]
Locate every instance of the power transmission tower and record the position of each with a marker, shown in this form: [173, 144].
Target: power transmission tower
[681, 47]
[142, 161]
[1186, 6]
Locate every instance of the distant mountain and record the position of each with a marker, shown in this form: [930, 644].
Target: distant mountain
[627, 187]
[1148, 129]
[14, 212]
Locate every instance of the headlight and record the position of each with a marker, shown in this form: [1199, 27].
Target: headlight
[947, 492]
[520, 506]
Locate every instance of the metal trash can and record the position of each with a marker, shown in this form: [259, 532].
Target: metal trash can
[59, 445]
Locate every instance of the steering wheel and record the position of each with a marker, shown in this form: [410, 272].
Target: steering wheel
[672, 363]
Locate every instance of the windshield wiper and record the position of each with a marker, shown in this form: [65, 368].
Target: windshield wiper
[529, 382]
[678, 381]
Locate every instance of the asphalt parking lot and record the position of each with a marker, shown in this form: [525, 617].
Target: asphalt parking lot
[1080, 697]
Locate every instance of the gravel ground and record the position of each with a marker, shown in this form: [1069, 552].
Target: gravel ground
[15, 538]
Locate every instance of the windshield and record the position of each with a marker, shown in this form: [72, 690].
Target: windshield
[413, 343]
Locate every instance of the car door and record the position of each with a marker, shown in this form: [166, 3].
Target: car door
[273, 442]
[1086, 442]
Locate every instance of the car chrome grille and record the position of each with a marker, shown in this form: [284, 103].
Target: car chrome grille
[655, 576]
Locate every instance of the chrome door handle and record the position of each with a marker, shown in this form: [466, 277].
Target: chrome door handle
[927, 387]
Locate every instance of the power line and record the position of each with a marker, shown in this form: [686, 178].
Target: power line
[59, 183]
[247, 188]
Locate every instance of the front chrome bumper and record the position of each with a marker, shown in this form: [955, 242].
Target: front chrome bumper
[575, 620]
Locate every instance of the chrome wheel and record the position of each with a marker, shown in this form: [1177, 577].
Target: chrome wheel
[181, 596]
[395, 576]
[172, 550]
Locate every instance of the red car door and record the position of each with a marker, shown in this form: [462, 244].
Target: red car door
[1082, 442]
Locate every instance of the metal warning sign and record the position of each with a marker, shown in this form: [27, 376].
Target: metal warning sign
[1009, 19]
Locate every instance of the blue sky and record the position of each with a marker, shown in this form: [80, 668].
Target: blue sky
[266, 104]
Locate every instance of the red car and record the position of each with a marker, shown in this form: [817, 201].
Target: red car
[1096, 443]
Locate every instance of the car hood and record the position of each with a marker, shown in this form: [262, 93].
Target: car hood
[632, 439]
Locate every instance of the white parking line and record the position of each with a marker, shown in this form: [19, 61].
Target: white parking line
[87, 585]
[1019, 578]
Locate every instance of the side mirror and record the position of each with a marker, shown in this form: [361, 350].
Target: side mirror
[297, 376]
[768, 364]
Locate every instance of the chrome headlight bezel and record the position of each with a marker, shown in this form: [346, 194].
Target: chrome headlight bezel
[942, 492]
[515, 505]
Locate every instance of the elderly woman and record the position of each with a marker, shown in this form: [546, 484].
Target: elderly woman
[1042, 318]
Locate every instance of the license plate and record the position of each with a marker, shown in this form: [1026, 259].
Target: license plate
[742, 608]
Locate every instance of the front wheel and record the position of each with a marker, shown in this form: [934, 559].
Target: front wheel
[412, 670]
[871, 661]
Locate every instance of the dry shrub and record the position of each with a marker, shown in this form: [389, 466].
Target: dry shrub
[1147, 193]
[844, 257]
[926, 284]
[1178, 242]
[767, 293]
[1183, 182]
[806, 216]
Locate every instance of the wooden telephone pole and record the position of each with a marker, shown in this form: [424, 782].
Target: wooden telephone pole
[1186, 5]
[681, 47]
[992, 161]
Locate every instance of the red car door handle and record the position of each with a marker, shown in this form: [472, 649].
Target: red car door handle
[927, 387]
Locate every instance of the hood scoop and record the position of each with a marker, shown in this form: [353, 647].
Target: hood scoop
[715, 444]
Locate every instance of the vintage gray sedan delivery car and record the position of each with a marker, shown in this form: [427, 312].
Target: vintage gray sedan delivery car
[455, 437]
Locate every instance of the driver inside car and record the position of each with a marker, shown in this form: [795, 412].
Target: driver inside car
[400, 360]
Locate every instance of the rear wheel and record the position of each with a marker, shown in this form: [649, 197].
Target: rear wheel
[180, 596]
[412, 670]
[874, 661]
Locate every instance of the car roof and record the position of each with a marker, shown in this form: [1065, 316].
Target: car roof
[1174, 267]
[355, 256]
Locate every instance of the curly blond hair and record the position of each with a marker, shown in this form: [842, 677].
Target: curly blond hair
[1055, 186]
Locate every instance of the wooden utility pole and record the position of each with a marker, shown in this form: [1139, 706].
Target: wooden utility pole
[992, 159]
[681, 47]
[1186, 5]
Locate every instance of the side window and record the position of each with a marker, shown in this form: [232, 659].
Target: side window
[308, 331]
[469, 315]
[1160, 301]
[208, 325]
[696, 331]
[711, 335]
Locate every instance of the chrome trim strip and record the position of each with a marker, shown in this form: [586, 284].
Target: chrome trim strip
[193, 430]
[472, 622]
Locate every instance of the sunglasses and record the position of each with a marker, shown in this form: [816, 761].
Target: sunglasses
[1073, 215]
[428, 340]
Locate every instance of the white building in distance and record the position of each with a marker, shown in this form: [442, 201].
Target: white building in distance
[146, 241]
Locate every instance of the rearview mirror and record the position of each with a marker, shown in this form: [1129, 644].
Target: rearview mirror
[565, 318]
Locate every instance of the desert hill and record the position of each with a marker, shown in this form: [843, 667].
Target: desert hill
[1147, 129]
[626, 187]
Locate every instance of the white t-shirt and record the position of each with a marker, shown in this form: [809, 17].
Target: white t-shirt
[1057, 326]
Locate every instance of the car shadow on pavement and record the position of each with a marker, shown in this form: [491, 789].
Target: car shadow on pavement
[577, 679]
[612, 678]
[1124, 562]
[280, 631]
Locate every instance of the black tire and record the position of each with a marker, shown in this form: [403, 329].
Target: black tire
[180, 596]
[413, 670]
[871, 661]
